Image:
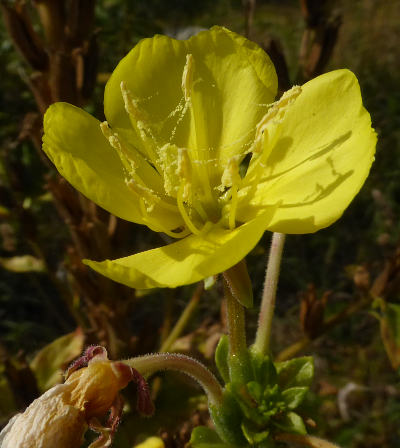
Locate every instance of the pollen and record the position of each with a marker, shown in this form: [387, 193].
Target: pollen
[188, 183]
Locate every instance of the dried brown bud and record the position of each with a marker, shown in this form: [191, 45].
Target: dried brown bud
[312, 311]
[362, 278]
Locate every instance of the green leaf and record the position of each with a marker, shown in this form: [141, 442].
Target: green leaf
[253, 434]
[221, 358]
[294, 396]
[297, 372]
[48, 364]
[203, 437]
[263, 369]
[246, 402]
[291, 422]
[255, 390]
[227, 419]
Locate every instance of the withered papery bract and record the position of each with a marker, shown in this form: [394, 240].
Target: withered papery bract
[49, 421]
[60, 417]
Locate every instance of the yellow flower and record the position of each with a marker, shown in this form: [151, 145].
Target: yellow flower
[195, 146]
[59, 417]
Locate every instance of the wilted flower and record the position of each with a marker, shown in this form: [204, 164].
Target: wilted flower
[195, 146]
[60, 417]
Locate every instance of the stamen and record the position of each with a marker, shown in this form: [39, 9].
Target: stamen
[156, 225]
[197, 205]
[275, 114]
[207, 226]
[150, 196]
[232, 211]
[184, 170]
[139, 120]
[231, 178]
[131, 104]
[264, 130]
[187, 77]
[122, 151]
[183, 212]
[231, 174]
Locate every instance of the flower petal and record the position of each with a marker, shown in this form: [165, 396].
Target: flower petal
[186, 261]
[321, 159]
[75, 144]
[233, 80]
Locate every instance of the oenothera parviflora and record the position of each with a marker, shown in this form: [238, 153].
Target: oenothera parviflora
[196, 146]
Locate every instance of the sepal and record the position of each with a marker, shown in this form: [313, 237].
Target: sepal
[221, 358]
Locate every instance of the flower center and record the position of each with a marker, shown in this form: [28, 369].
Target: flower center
[185, 190]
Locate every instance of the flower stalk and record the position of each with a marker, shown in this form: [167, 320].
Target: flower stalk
[238, 354]
[149, 364]
[263, 336]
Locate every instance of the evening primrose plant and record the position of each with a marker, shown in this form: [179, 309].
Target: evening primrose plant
[197, 147]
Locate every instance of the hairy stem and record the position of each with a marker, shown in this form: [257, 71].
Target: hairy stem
[261, 344]
[236, 323]
[238, 353]
[149, 364]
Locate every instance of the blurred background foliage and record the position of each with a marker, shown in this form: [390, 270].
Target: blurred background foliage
[339, 293]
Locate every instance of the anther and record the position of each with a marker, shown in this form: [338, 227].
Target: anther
[184, 171]
[116, 143]
[231, 174]
[144, 192]
[181, 206]
[131, 105]
[140, 123]
[231, 178]
[187, 77]
[276, 111]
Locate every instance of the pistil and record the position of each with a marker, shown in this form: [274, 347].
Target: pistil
[200, 151]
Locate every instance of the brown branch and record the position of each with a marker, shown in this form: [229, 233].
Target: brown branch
[319, 37]
[25, 39]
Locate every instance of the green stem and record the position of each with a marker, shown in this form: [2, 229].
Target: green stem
[149, 364]
[236, 324]
[238, 353]
[183, 319]
[263, 335]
